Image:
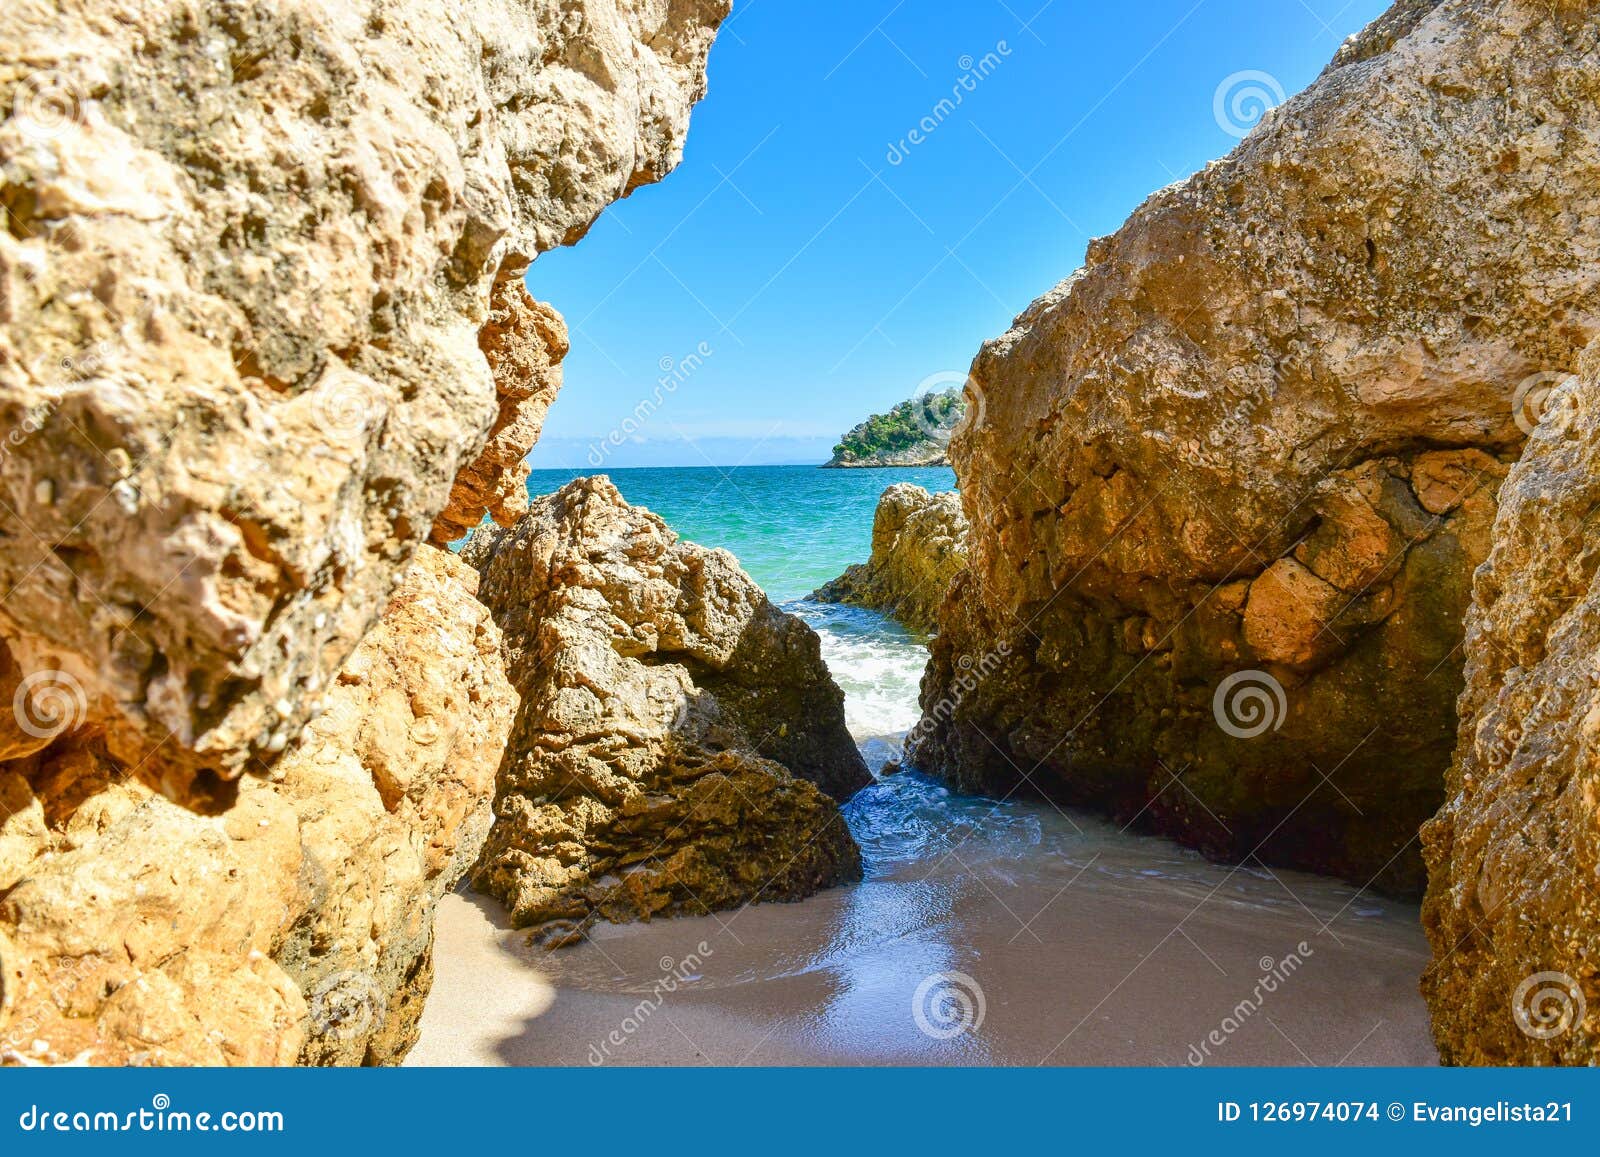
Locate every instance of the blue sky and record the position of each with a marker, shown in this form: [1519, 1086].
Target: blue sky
[811, 262]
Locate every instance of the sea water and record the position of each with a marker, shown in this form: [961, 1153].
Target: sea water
[984, 931]
[794, 528]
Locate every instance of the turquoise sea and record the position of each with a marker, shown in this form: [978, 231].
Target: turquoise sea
[794, 528]
[935, 956]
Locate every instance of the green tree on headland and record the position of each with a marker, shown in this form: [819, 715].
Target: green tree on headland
[928, 418]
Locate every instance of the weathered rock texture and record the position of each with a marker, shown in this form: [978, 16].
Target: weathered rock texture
[262, 333]
[679, 737]
[919, 544]
[299, 923]
[1514, 854]
[250, 251]
[1261, 431]
[524, 342]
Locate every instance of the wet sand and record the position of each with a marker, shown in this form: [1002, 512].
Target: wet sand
[1008, 934]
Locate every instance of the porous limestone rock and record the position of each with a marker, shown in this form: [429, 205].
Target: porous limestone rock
[678, 738]
[251, 248]
[919, 544]
[524, 341]
[298, 924]
[1513, 905]
[1246, 457]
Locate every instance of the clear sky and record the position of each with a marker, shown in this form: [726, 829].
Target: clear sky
[811, 261]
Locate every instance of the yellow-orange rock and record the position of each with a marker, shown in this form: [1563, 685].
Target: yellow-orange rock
[298, 924]
[524, 341]
[1302, 368]
[249, 253]
[679, 737]
[919, 545]
[1512, 908]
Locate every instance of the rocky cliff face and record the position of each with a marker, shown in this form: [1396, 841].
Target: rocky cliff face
[1512, 909]
[263, 334]
[919, 544]
[678, 738]
[252, 249]
[523, 341]
[1228, 482]
[298, 924]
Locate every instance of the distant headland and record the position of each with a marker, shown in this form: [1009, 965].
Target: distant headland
[914, 433]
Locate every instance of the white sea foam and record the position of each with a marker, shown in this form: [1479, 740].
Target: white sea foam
[877, 664]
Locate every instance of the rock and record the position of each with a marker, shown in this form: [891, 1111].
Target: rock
[392, 786]
[679, 737]
[524, 342]
[921, 454]
[297, 925]
[265, 332]
[251, 254]
[918, 546]
[1254, 443]
[1513, 854]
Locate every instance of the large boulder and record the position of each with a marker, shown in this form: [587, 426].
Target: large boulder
[919, 545]
[1228, 483]
[251, 249]
[264, 333]
[679, 737]
[298, 924]
[1512, 909]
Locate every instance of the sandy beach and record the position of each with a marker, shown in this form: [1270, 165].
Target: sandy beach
[1007, 934]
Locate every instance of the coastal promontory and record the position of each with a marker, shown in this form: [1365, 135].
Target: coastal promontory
[915, 432]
